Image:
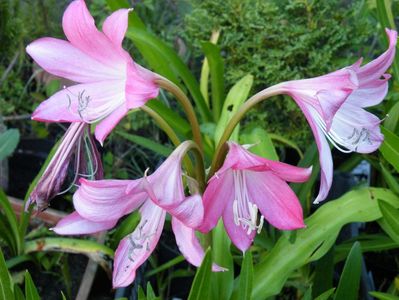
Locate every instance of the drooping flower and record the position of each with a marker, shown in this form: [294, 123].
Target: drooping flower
[76, 146]
[245, 184]
[100, 204]
[109, 81]
[334, 106]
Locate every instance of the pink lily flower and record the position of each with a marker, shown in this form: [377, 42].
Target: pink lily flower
[245, 184]
[109, 81]
[100, 204]
[334, 106]
[76, 140]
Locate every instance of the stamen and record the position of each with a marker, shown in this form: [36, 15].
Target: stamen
[245, 213]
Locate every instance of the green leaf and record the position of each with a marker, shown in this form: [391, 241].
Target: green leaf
[30, 288]
[117, 4]
[18, 294]
[150, 292]
[200, 289]
[8, 142]
[390, 220]
[369, 243]
[146, 143]
[126, 227]
[361, 205]
[12, 222]
[383, 296]
[96, 251]
[261, 141]
[390, 148]
[222, 282]
[52, 87]
[170, 263]
[390, 180]
[324, 271]
[216, 66]
[391, 122]
[348, 286]
[140, 294]
[235, 98]
[5, 280]
[172, 118]
[246, 277]
[166, 62]
[303, 190]
[286, 142]
[326, 295]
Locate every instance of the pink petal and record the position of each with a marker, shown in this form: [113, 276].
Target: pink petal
[82, 103]
[189, 245]
[115, 26]
[218, 194]
[275, 200]
[239, 158]
[140, 86]
[74, 224]
[325, 158]
[370, 94]
[190, 212]
[81, 31]
[134, 249]
[105, 126]
[377, 67]
[351, 118]
[62, 59]
[237, 233]
[102, 200]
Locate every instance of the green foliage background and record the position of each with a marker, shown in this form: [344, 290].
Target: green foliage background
[281, 40]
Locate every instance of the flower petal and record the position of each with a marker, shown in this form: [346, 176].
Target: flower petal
[377, 67]
[134, 249]
[189, 245]
[101, 200]
[218, 194]
[115, 26]
[82, 103]
[325, 157]
[62, 59]
[239, 158]
[275, 200]
[370, 94]
[74, 224]
[81, 31]
[358, 128]
[237, 233]
[106, 125]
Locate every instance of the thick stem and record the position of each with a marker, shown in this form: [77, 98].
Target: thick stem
[169, 132]
[221, 148]
[188, 108]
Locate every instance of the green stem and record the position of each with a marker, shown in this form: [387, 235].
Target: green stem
[200, 171]
[163, 125]
[169, 132]
[221, 148]
[188, 108]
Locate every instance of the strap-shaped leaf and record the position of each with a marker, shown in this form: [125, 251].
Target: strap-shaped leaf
[146, 143]
[200, 288]
[246, 277]
[216, 66]
[390, 148]
[5, 280]
[348, 286]
[31, 292]
[285, 257]
[8, 142]
[390, 220]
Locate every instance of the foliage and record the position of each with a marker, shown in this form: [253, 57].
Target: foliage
[277, 41]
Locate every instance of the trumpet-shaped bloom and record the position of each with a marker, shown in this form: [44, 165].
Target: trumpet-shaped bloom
[109, 81]
[334, 106]
[245, 184]
[74, 144]
[100, 204]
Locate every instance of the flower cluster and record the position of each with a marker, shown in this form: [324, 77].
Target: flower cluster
[245, 191]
